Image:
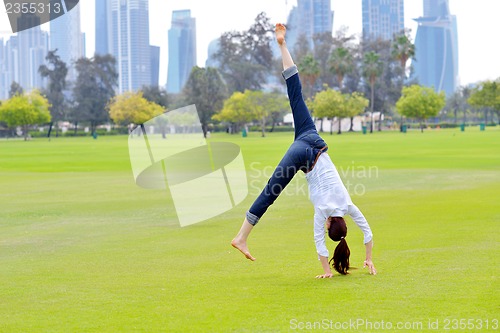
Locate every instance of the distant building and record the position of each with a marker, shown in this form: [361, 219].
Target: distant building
[11, 64]
[155, 65]
[3, 72]
[181, 49]
[213, 48]
[309, 17]
[32, 47]
[436, 48]
[130, 43]
[66, 36]
[102, 26]
[383, 18]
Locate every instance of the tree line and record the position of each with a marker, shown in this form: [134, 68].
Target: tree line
[341, 77]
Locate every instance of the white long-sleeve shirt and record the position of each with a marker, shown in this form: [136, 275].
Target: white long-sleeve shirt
[330, 198]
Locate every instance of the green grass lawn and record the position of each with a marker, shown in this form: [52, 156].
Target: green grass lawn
[83, 249]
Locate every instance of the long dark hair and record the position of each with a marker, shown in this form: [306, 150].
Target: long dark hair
[337, 232]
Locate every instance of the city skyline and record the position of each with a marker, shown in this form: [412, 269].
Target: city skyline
[471, 26]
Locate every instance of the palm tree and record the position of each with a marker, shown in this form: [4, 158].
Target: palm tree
[309, 69]
[372, 69]
[341, 63]
[403, 49]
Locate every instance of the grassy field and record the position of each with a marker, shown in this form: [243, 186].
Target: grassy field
[83, 249]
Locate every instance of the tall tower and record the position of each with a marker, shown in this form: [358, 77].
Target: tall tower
[181, 49]
[383, 18]
[32, 47]
[436, 48]
[66, 37]
[3, 71]
[130, 43]
[308, 18]
[102, 26]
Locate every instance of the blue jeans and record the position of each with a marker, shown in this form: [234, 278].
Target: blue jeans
[301, 155]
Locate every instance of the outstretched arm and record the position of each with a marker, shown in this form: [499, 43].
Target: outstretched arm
[360, 220]
[368, 262]
[285, 54]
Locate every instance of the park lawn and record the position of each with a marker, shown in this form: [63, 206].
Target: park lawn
[83, 249]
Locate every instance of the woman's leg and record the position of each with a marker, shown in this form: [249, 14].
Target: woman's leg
[301, 116]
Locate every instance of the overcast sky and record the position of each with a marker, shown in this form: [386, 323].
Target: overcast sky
[478, 26]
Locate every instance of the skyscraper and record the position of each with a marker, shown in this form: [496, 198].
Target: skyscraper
[32, 47]
[66, 37]
[181, 49]
[383, 18]
[11, 62]
[155, 65]
[309, 17]
[436, 48]
[102, 26]
[3, 71]
[130, 43]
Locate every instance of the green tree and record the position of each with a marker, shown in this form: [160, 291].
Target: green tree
[402, 50]
[458, 102]
[341, 63]
[372, 69]
[321, 51]
[15, 89]
[356, 104]
[329, 104]
[265, 105]
[156, 95]
[132, 108]
[486, 96]
[93, 89]
[206, 89]
[57, 84]
[278, 105]
[245, 58]
[25, 111]
[420, 103]
[237, 110]
[309, 71]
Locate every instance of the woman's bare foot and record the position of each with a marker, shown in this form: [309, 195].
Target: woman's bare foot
[242, 247]
[280, 33]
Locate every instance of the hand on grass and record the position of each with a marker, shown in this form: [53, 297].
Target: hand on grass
[371, 267]
[324, 276]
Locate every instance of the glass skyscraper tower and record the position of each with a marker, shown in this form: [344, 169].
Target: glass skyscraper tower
[181, 49]
[32, 47]
[436, 48]
[383, 18]
[130, 43]
[308, 18]
[102, 26]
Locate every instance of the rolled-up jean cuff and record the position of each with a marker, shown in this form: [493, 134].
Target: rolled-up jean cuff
[289, 72]
[252, 219]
